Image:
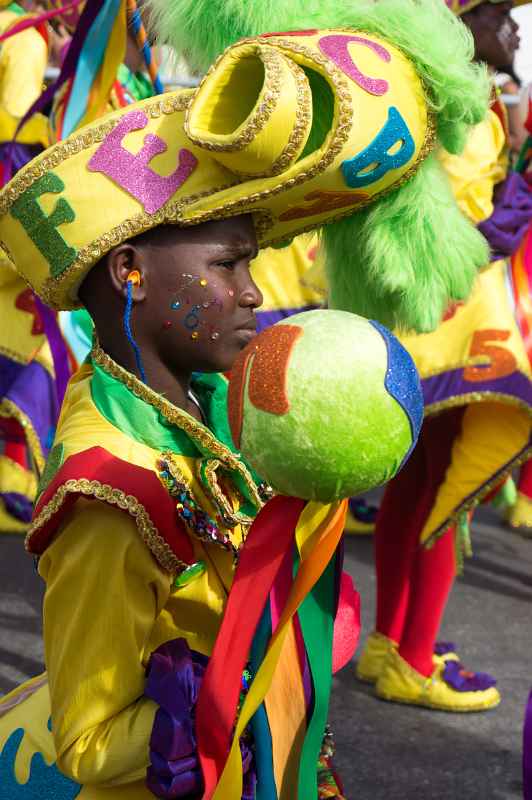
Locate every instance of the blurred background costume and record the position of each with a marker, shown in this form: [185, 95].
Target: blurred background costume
[34, 361]
[475, 371]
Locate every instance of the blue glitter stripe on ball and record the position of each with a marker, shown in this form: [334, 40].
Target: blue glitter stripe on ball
[45, 783]
[402, 382]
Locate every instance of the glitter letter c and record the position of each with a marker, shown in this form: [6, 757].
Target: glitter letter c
[336, 48]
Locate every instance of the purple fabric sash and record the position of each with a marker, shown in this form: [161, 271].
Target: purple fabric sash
[58, 348]
[511, 216]
[174, 677]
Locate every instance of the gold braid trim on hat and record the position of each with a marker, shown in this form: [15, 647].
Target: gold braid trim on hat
[339, 138]
[52, 290]
[82, 141]
[115, 497]
[295, 140]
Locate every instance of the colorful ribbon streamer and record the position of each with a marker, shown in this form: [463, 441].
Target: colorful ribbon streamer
[144, 45]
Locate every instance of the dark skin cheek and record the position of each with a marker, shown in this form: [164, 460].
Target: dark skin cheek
[194, 315]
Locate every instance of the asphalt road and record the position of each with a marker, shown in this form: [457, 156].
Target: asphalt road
[385, 752]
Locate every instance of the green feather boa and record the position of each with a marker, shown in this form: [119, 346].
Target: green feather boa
[410, 254]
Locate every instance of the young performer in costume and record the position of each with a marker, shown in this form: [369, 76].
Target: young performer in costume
[32, 382]
[475, 371]
[145, 506]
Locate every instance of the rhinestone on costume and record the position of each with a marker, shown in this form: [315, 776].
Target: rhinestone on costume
[190, 574]
[194, 336]
[195, 519]
[215, 336]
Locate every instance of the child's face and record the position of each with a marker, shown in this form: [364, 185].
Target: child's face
[199, 310]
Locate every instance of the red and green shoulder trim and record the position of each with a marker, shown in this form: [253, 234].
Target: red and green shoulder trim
[98, 475]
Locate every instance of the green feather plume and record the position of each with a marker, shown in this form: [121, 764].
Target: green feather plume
[403, 259]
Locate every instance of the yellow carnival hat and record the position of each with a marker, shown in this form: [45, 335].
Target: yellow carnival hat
[235, 145]
[463, 6]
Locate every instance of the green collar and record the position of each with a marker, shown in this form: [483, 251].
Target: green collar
[142, 421]
[147, 417]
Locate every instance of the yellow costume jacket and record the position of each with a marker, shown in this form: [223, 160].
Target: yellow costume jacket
[141, 515]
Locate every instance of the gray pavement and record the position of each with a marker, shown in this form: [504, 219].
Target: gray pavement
[385, 752]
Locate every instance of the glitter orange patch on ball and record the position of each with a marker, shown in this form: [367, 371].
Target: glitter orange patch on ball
[269, 369]
[235, 393]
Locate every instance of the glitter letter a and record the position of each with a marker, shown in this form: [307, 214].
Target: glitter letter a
[41, 229]
[376, 160]
[133, 172]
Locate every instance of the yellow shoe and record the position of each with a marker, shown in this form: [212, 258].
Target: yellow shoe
[400, 683]
[520, 515]
[373, 657]
[360, 519]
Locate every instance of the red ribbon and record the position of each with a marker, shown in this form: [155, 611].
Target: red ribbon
[269, 538]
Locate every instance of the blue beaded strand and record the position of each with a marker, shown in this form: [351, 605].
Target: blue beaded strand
[128, 332]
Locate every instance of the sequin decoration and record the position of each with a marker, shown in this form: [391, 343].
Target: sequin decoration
[42, 229]
[336, 47]
[195, 519]
[132, 171]
[376, 160]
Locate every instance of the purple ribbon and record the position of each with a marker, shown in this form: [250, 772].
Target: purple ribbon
[511, 216]
[456, 676]
[57, 346]
[527, 751]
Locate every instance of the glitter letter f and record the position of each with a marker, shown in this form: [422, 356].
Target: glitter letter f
[133, 172]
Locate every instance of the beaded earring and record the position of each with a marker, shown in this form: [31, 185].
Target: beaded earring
[133, 279]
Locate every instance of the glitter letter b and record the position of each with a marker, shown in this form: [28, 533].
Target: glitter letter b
[132, 172]
[42, 229]
[376, 160]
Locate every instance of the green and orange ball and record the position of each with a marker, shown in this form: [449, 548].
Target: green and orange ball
[325, 405]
